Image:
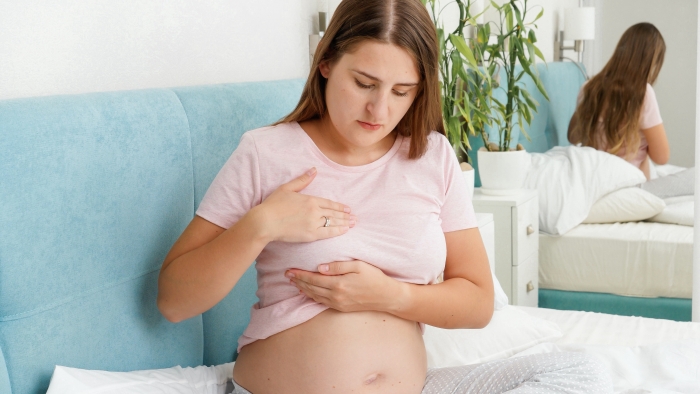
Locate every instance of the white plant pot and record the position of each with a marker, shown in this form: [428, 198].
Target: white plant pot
[469, 180]
[503, 173]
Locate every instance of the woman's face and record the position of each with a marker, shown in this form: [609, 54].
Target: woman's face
[368, 91]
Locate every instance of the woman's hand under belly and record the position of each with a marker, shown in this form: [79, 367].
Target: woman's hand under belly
[337, 352]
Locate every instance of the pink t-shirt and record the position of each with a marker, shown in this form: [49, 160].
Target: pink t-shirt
[649, 116]
[403, 207]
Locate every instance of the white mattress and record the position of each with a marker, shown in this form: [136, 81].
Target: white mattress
[633, 259]
[642, 355]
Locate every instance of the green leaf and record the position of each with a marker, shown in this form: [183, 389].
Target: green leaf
[522, 130]
[521, 126]
[466, 143]
[528, 99]
[481, 36]
[531, 36]
[497, 101]
[509, 19]
[525, 111]
[463, 76]
[538, 16]
[518, 17]
[539, 54]
[523, 62]
[539, 85]
[463, 48]
[465, 113]
[531, 53]
[441, 44]
[520, 75]
[454, 127]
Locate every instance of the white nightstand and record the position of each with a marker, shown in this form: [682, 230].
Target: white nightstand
[516, 242]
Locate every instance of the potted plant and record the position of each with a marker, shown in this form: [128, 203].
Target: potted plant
[501, 167]
[465, 87]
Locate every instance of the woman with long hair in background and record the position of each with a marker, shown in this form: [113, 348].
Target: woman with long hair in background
[617, 111]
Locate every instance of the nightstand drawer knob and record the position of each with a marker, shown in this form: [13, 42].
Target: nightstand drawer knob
[529, 287]
[530, 229]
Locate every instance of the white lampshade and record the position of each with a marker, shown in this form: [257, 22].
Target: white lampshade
[579, 23]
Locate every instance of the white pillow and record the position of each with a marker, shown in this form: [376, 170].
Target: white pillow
[198, 380]
[509, 332]
[656, 170]
[500, 299]
[630, 204]
[682, 213]
[570, 179]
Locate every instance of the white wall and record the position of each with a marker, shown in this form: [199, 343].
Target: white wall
[675, 88]
[52, 47]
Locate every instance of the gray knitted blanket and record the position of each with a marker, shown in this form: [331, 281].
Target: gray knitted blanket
[678, 184]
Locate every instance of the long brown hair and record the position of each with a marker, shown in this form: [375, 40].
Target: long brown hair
[616, 94]
[404, 23]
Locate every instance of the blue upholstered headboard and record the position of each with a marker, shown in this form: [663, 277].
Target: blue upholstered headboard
[549, 126]
[95, 189]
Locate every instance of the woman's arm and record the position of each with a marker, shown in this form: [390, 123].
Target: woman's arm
[463, 300]
[204, 264]
[207, 261]
[659, 151]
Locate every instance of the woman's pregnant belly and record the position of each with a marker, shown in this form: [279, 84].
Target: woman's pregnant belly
[337, 352]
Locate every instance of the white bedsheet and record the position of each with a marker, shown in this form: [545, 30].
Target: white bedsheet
[679, 210]
[643, 355]
[633, 259]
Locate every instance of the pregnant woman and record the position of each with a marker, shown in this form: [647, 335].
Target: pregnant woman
[352, 206]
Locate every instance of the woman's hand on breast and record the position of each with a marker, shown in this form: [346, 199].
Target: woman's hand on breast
[289, 216]
[347, 286]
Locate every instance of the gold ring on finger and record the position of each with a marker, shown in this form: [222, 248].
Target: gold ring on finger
[328, 221]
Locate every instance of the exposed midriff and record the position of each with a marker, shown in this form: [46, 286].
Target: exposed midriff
[337, 352]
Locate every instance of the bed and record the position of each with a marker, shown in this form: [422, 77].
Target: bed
[642, 355]
[97, 187]
[634, 269]
[633, 252]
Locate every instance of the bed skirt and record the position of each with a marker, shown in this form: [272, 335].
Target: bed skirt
[678, 309]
